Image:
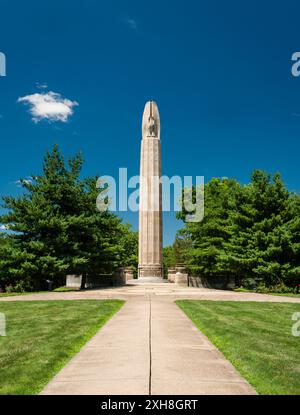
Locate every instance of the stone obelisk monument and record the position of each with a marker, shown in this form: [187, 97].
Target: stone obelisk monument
[150, 206]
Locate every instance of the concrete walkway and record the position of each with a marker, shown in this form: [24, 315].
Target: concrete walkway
[150, 346]
[184, 361]
[171, 291]
[115, 361]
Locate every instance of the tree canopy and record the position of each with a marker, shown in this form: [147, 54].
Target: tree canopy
[250, 231]
[55, 228]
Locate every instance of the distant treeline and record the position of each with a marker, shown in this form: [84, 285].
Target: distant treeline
[54, 229]
[249, 231]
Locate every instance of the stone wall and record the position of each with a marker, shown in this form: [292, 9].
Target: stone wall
[171, 275]
[122, 275]
[221, 283]
[119, 277]
[180, 276]
[98, 281]
[74, 281]
[129, 274]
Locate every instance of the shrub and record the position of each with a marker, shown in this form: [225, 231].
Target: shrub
[23, 286]
[65, 289]
[278, 288]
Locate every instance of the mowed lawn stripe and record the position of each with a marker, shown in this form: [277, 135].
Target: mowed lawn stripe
[255, 337]
[42, 336]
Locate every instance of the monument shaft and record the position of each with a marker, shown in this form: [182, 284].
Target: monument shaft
[150, 207]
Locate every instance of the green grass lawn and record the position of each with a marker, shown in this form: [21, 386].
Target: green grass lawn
[287, 295]
[244, 290]
[57, 290]
[255, 337]
[42, 336]
[23, 293]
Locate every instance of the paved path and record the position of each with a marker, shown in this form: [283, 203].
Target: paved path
[171, 291]
[115, 361]
[149, 346]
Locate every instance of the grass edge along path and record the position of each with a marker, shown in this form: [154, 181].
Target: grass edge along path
[243, 290]
[3, 295]
[255, 337]
[43, 336]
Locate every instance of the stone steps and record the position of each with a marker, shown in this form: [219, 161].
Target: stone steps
[149, 280]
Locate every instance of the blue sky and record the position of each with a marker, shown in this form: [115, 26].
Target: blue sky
[219, 71]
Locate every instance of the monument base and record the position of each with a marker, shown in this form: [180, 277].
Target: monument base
[150, 280]
[150, 271]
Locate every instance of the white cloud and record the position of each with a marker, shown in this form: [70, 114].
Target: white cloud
[131, 23]
[4, 227]
[49, 106]
[41, 85]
